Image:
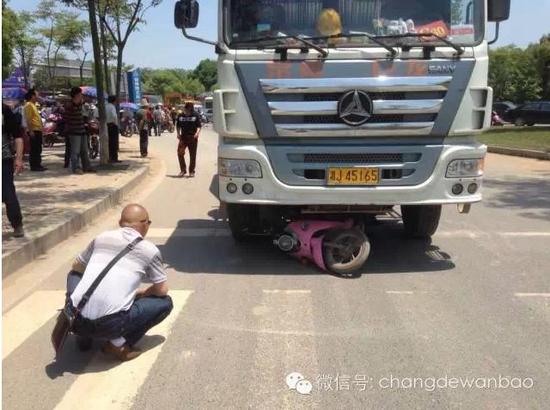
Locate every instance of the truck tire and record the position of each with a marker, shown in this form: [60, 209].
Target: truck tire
[420, 221]
[345, 251]
[241, 219]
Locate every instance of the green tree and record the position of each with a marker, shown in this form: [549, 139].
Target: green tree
[513, 75]
[8, 19]
[540, 53]
[26, 44]
[207, 73]
[61, 31]
[121, 18]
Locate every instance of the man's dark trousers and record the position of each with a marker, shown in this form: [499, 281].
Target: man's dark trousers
[191, 143]
[143, 141]
[9, 196]
[132, 324]
[113, 141]
[35, 156]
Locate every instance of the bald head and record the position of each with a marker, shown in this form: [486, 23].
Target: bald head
[135, 216]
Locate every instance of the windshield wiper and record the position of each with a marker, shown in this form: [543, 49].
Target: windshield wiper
[374, 39]
[309, 44]
[459, 50]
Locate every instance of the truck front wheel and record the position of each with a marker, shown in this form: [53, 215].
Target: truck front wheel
[242, 219]
[420, 221]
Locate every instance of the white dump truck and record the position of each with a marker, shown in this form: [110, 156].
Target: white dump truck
[343, 108]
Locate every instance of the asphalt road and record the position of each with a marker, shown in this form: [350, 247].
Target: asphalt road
[462, 321]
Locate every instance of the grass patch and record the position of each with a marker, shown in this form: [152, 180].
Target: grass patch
[525, 137]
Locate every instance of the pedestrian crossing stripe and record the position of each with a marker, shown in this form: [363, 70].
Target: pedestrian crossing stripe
[117, 387]
[24, 319]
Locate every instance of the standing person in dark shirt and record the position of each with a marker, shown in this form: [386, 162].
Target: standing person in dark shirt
[143, 127]
[12, 162]
[188, 127]
[75, 130]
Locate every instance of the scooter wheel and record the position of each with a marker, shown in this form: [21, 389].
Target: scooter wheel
[345, 250]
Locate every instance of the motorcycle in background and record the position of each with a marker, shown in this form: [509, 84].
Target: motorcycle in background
[92, 129]
[53, 130]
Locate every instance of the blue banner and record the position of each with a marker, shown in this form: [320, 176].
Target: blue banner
[134, 85]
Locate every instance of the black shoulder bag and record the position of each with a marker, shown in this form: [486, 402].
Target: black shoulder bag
[68, 314]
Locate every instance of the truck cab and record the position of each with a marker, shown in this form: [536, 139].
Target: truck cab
[338, 107]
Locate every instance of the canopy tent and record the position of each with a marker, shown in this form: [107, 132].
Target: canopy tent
[13, 93]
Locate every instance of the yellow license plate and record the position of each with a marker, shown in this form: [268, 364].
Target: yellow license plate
[353, 176]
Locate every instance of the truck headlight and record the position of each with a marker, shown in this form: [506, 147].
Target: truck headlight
[244, 168]
[463, 168]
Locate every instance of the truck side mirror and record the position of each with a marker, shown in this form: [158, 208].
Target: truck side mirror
[186, 14]
[498, 10]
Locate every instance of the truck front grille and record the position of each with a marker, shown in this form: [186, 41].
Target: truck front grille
[308, 107]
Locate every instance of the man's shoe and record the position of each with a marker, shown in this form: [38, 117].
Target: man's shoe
[78, 171]
[84, 343]
[191, 175]
[90, 171]
[182, 174]
[122, 353]
[18, 232]
[41, 169]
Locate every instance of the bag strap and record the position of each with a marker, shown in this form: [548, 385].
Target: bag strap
[104, 272]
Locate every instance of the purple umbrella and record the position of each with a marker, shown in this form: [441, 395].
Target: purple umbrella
[129, 106]
[89, 91]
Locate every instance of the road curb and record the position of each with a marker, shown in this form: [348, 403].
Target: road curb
[526, 153]
[18, 258]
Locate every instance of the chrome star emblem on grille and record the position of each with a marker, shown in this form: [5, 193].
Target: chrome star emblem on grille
[355, 107]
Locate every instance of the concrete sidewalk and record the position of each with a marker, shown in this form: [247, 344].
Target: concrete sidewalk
[56, 203]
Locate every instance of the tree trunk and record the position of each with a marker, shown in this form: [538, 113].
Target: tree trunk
[104, 146]
[105, 58]
[120, 50]
[24, 68]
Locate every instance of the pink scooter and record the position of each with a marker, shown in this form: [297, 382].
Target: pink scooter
[335, 246]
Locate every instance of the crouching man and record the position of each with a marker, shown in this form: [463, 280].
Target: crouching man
[118, 312]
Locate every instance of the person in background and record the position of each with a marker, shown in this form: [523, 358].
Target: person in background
[113, 128]
[188, 127]
[12, 136]
[34, 124]
[157, 120]
[149, 115]
[75, 130]
[143, 128]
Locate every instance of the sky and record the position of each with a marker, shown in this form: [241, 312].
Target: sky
[159, 44]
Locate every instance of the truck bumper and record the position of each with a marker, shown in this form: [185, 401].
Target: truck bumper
[269, 190]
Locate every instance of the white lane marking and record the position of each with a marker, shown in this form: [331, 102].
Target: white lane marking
[27, 317]
[116, 387]
[525, 234]
[285, 344]
[530, 295]
[458, 234]
[400, 292]
[187, 232]
[461, 234]
[287, 291]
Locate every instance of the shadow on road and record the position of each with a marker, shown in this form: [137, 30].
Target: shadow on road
[217, 253]
[75, 362]
[528, 195]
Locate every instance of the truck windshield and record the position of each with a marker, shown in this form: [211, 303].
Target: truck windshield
[460, 21]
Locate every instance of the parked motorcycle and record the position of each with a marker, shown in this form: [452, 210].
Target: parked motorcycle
[128, 127]
[92, 129]
[53, 130]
